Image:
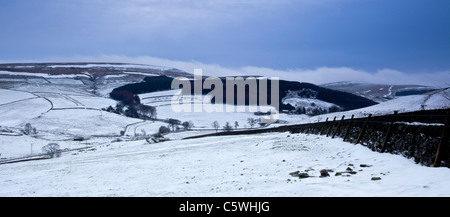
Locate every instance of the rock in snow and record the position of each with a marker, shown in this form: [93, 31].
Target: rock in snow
[324, 173]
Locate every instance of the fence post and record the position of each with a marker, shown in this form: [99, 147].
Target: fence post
[331, 126]
[323, 126]
[338, 126]
[363, 129]
[443, 145]
[389, 131]
[348, 128]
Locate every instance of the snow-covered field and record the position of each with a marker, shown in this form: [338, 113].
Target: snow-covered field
[10, 96]
[202, 120]
[15, 114]
[251, 165]
[23, 146]
[306, 102]
[41, 75]
[82, 122]
[257, 165]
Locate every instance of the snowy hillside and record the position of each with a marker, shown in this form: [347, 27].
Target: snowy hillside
[257, 165]
[62, 111]
[379, 92]
[202, 120]
[439, 99]
[308, 104]
[94, 78]
[103, 150]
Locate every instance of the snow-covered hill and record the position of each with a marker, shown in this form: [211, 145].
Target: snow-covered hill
[379, 92]
[104, 150]
[439, 99]
[94, 78]
[62, 107]
[257, 165]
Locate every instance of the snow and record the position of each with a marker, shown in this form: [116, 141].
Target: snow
[160, 93]
[64, 81]
[114, 76]
[108, 66]
[418, 123]
[42, 75]
[202, 120]
[307, 102]
[144, 127]
[93, 101]
[140, 73]
[436, 100]
[83, 122]
[20, 112]
[69, 100]
[258, 165]
[251, 165]
[9, 96]
[390, 91]
[205, 119]
[22, 146]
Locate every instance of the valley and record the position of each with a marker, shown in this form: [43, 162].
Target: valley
[110, 154]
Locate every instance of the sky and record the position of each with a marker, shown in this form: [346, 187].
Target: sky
[319, 41]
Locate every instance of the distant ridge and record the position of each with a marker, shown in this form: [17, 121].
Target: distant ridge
[379, 92]
[96, 69]
[86, 77]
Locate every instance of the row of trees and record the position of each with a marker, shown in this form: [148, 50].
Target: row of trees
[174, 125]
[228, 127]
[313, 111]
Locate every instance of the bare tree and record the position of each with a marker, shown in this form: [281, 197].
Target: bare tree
[29, 130]
[216, 125]
[252, 122]
[236, 125]
[52, 150]
[227, 127]
[187, 125]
